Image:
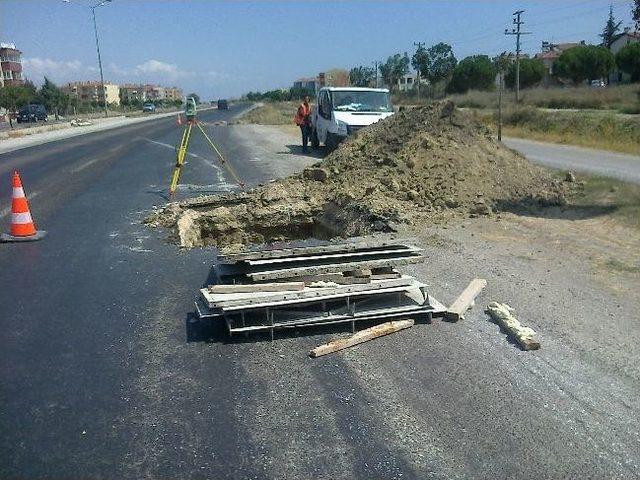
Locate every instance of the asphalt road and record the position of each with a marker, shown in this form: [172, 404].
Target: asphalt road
[600, 162]
[104, 374]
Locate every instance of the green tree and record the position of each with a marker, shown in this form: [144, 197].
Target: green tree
[442, 61]
[475, 72]
[14, 97]
[54, 99]
[420, 60]
[628, 60]
[610, 30]
[195, 96]
[586, 62]
[362, 76]
[435, 63]
[394, 68]
[635, 14]
[531, 73]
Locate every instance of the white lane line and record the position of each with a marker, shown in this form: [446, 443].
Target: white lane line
[172, 147]
[84, 165]
[222, 184]
[7, 211]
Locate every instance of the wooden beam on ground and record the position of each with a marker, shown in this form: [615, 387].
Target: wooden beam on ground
[525, 336]
[332, 268]
[361, 337]
[465, 300]
[258, 287]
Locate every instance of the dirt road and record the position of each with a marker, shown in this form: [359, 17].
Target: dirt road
[600, 162]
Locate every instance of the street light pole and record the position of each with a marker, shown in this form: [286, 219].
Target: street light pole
[95, 29]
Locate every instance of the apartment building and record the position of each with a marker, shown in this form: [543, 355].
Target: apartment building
[91, 91]
[10, 65]
[132, 93]
[154, 92]
[173, 94]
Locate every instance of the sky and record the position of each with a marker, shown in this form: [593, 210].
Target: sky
[222, 49]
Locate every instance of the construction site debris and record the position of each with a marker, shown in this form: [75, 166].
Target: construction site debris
[466, 299]
[78, 122]
[361, 337]
[502, 315]
[414, 167]
[241, 302]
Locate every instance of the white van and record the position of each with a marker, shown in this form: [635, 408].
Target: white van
[341, 111]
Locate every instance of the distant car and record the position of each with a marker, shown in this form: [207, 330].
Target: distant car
[32, 113]
[223, 105]
[148, 107]
[598, 84]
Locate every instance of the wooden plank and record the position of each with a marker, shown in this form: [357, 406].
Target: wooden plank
[502, 315]
[319, 297]
[311, 250]
[249, 300]
[329, 256]
[361, 337]
[257, 287]
[331, 268]
[465, 300]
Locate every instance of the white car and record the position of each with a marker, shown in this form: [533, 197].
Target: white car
[342, 111]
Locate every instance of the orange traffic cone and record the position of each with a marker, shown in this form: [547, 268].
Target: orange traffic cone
[22, 227]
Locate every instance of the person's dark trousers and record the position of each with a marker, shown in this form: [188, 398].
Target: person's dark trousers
[306, 133]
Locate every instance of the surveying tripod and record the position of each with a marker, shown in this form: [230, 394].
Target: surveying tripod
[181, 153]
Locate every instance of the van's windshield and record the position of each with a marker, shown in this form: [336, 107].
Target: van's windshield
[361, 101]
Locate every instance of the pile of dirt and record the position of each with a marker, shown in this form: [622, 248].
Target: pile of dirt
[421, 165]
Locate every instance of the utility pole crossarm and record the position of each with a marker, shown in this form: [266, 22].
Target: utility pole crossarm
[517, 21]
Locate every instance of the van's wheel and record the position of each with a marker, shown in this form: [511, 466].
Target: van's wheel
[332, 142]
[315, 143]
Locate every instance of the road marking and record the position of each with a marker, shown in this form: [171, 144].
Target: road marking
[7, 211]
[172, 147]
[85, 165]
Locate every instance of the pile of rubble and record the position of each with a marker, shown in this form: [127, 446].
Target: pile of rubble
[428, 164]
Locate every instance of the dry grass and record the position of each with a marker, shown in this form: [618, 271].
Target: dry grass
[622, 98]
[606, 131]
[272, 113]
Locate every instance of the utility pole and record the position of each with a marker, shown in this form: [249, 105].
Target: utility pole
[95, 29]
[517, 32]
[375, 65]
[419, 45]
[501, 74]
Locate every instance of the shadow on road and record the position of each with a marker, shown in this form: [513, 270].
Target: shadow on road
[319, 152]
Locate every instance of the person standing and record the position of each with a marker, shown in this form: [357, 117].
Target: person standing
[303, 120]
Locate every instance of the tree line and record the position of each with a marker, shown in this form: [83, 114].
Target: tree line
[443, 73]
[58, 102]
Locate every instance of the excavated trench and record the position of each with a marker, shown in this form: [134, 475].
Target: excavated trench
[422, 165]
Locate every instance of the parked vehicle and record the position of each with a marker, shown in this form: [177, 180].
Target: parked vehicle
[342, 111]
[32, 113]
[148, 107]
[223, 105]
[598, 84]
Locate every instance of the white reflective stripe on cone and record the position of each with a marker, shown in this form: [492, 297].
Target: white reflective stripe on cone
[21, 218]
[18, 192]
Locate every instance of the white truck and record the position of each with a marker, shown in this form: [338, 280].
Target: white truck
[342, 111]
